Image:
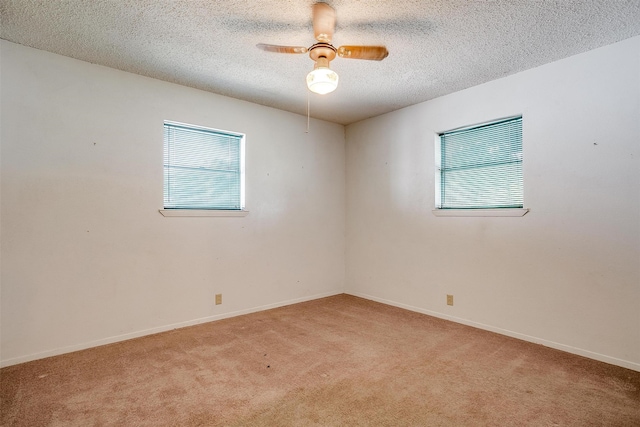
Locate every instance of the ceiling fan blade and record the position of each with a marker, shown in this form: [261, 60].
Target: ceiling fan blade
[373, 53]
[324, 22]
[281, 49]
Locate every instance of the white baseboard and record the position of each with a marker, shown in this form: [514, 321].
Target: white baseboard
[142, 333]
[569, 349]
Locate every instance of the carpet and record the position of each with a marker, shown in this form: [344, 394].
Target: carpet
[336, 361]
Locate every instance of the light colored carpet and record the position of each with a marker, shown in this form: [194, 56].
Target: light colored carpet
[337, 361]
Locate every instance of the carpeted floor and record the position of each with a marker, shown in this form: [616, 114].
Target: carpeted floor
[337, 361]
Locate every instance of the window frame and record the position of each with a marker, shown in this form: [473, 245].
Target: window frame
[475, 211]
[209, 212]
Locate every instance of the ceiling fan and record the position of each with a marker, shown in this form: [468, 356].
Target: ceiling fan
[323, 80]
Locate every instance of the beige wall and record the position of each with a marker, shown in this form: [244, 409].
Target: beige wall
[86, 256]
[568, 273]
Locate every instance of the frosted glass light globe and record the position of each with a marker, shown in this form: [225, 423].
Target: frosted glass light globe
[322, 80]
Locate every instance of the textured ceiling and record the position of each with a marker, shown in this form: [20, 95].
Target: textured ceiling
[436, 47]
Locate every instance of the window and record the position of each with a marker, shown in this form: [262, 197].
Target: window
[203, 168]
[480, 167]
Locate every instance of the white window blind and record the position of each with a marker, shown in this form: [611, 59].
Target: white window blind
[481, 166]
[202, 168]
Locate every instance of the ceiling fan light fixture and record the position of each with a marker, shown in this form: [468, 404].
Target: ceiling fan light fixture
[322, 79]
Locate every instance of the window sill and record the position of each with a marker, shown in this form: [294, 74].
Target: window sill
[201, 212]
[480, 212]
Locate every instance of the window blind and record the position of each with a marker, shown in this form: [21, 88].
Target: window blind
[481, 167]
[202, 168]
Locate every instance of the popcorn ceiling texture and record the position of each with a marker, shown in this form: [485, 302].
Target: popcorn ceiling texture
[436, 47]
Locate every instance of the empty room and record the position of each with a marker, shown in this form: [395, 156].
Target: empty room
[298, 213]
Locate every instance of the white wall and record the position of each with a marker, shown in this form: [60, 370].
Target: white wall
[87, 259]
[568, 273]
[86, 256]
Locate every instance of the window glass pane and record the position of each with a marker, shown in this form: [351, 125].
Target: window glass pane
[481, 167]
[202, 169]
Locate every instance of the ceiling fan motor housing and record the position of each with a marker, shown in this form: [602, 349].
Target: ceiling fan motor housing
[321, 49]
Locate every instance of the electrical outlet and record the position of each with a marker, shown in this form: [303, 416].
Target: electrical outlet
[218, 299]
[449, 299]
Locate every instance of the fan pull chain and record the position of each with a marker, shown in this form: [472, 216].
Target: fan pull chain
[308, 113]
